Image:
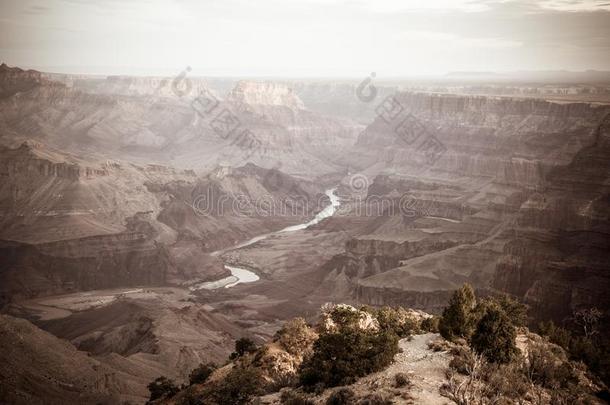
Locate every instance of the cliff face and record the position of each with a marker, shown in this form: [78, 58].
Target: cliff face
[68, 225]
[15, 80]
[186, 124]
[90, 263]
[520, 189]
[515, 142]
[559, 259]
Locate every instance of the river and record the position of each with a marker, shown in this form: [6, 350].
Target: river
[241, 275]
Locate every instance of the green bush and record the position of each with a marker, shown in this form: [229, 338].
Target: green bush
[457, 320]
[342, 396]
[200, 374]
[495, 336]
[162, 387]
[340, 357]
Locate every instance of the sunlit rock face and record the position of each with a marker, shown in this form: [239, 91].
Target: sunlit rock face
[265, 94]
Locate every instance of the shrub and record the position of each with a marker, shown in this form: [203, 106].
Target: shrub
[259, 355]
[402, 380]
[457, 318]
[294, 398]
[494, 337]
[506, 380]
[162, 387]
[240, 384]
[243, 346]
[439, 345]
[190, 397]
[594, 350]
[342, 396]
[556, 334]
[374, 399]
[296, 337]
[463, 360]
[282, 380]
[200, 374]
[547, 368]
[340, 357]
[397, 320]
[514, 310]
[430, 324]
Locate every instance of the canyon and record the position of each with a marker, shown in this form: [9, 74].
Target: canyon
[122, 196]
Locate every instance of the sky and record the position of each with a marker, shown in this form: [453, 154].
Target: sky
[304, 38]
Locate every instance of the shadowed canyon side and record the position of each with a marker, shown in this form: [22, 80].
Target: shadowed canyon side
[149, 231]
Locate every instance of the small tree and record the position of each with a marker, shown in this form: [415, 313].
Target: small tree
[457, 319]
[201, 373]
[588, 319]
[397, 320]
[494, 336]
[161, 387]
[515, 310]
[243, 346]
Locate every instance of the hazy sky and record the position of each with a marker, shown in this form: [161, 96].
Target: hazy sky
[304, 37]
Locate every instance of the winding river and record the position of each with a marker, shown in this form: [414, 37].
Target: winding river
[241, 275]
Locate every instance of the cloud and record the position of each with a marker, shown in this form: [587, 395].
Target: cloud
[574, 5]
[324, 37]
